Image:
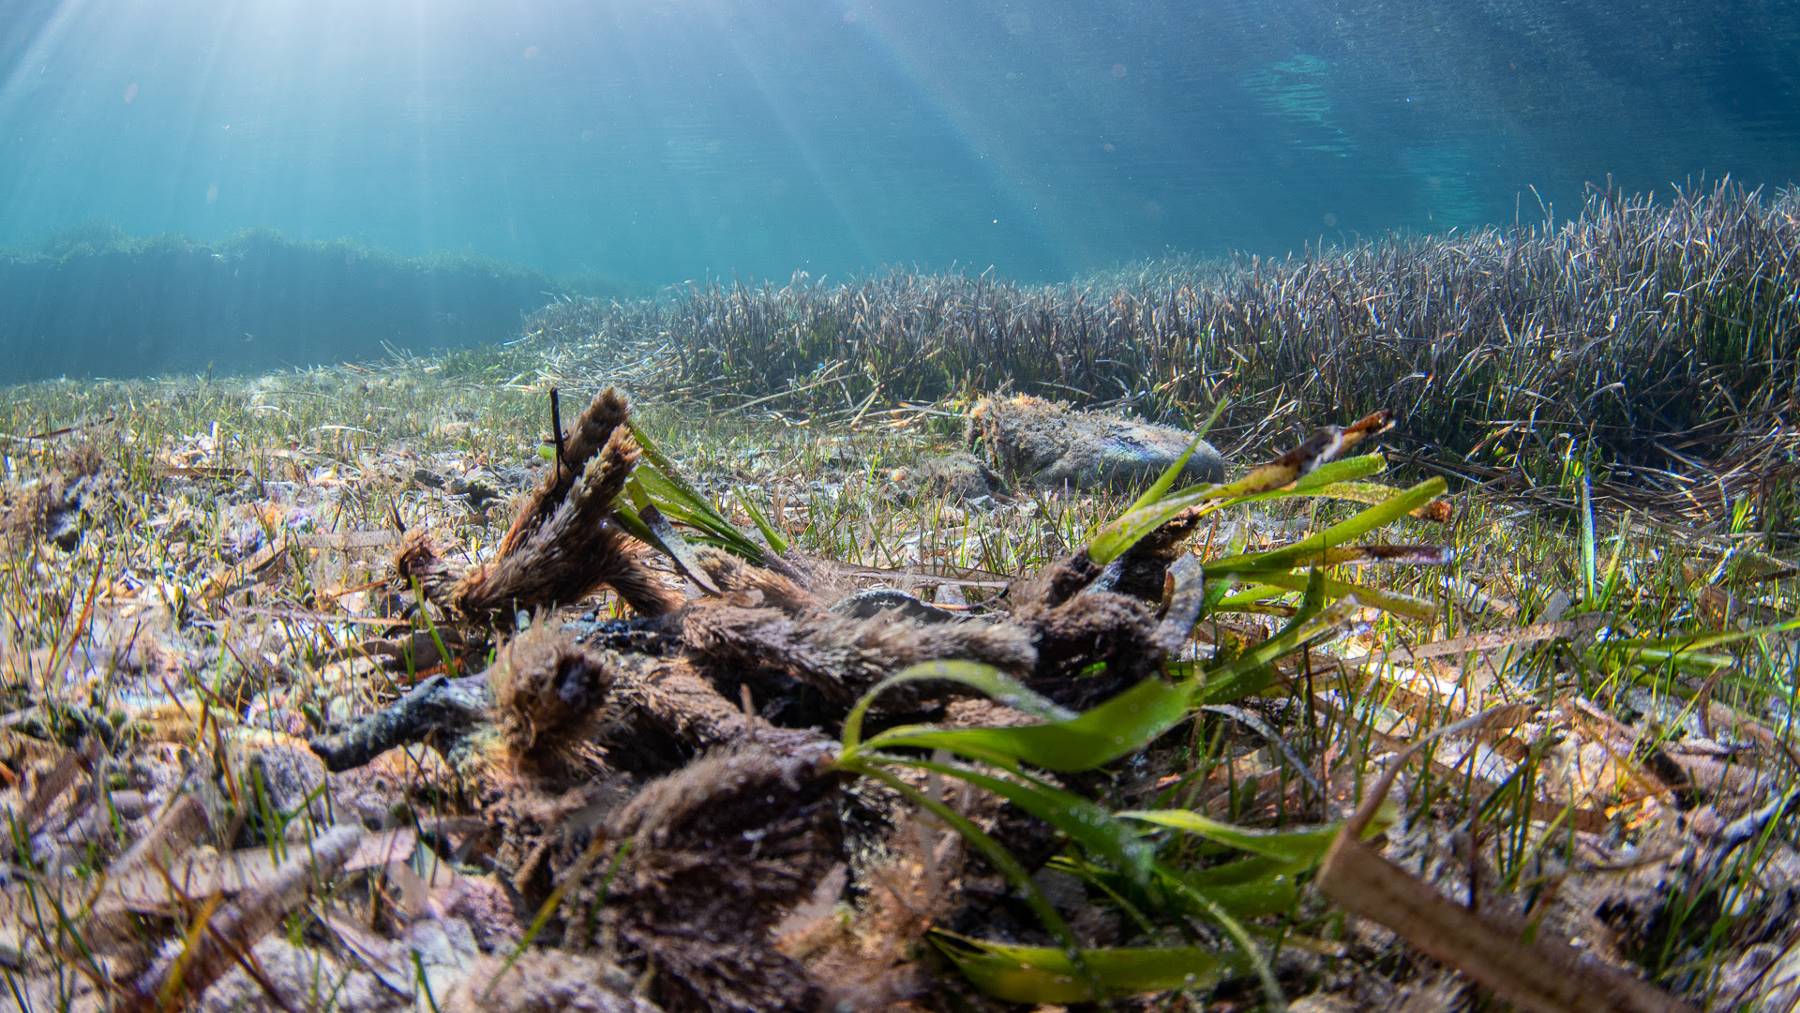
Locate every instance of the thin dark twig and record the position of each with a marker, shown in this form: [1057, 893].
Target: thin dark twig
[556, 429]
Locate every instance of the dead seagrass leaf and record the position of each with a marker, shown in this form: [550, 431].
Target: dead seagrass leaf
[225, 933]
[1543, 974]
[1546, 974]
[148, 888]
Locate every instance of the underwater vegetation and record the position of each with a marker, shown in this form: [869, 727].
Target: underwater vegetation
[296, 719]
[1660, 336]
[841, 667]
[94, 302]
[383, 687]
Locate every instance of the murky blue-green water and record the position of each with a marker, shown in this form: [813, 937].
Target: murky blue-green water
[645, 142]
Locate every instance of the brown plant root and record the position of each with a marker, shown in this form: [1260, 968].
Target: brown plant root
[742, 583]
[722, 850]
[836, 657]
[562, 546]
[658, 713]
[665, 713]
[1075, 619]
[1053, 585]
[604, 416]
[1097, 626]
[803, 666]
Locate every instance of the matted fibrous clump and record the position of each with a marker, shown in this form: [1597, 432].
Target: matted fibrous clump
[722, 850]
[593, 429]
[53, 508]
[547, 689]
[839, 657]
[573, 549]
[564, 543]
[732, 697]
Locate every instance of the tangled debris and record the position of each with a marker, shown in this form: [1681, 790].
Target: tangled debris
[561, 546]
[712, 711]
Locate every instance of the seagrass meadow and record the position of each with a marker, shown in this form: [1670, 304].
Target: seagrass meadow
[1661, 337]
[704, 652]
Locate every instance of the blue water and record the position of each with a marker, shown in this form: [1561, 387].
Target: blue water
[656, 141]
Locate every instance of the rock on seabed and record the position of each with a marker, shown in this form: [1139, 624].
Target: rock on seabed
[1052, 444]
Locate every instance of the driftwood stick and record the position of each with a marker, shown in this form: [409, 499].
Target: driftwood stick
[451, 708]
[663, 698]
[227, 937]
[652, 635]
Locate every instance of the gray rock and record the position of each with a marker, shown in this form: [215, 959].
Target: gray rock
[1052, 444]
[289, 772]
[301, 978]
[874, 601]
[959, 477]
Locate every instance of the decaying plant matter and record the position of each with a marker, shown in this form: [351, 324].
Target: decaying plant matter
[562, 545]
[692, 788]
[714, 710]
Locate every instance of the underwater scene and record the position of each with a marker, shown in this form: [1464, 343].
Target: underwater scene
[899, 504]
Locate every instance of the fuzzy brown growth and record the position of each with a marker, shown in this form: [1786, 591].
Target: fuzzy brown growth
[670, 703]
[603, 416]
[877, 960]
[572, 552]
[1054, 584]
[1098, 627]
[1079, 613]
[754, 585]
[722, 850]
[53, 508]
[547, 689]
[417, 562]
[839, 657]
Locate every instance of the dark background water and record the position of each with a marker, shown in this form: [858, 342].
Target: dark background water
[655, 141]
[606, 145]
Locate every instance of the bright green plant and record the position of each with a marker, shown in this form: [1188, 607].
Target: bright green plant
[1145, 861]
